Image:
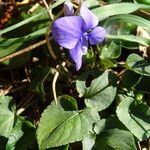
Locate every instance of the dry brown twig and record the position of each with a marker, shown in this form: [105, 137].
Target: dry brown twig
[26, 102]
[49, 10]
[25, 50]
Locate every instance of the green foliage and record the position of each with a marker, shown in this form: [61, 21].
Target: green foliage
[143, 2]
[132, 19]
[115, 139]
[103, 106]
[7, 115]
[19, 133]
[101, 92]
[38, 81]
[22, 135]
[109, 134]
[138, 64]
[131, 79]
[136, 119]
[130, 38]
[62, 123]
[113, 51]
[116, 9]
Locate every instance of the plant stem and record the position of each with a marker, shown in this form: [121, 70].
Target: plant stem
[54, 84]
[49, 44]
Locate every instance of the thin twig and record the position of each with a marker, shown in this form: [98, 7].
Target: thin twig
[79, 7]
[27, 73]
[32, 9]
[139, 146]
[25, 50]
[26, 102]
[3, 92]
[24, 2]
[17, 88]
[49, 10]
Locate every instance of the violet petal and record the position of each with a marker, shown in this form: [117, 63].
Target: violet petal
[90, 20]
[68, 9]
[97, 35]
[78, 52]
[67, 31]
[84, 46]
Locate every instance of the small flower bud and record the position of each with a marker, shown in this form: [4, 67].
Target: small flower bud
[68, 9]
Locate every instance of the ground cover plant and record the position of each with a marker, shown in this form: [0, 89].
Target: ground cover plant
[74, 74]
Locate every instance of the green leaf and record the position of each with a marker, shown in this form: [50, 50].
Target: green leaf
[7, 115]
[61, 123]
[101, 92]
[138, 64]
[115, 139]
[64, 147]
[116, 9]
[39, 76]
[102, 126]
[107, 124]
[30, 18]
[91, 4]
[135, 117]
[89, 141]
[22, 135]
[143, 1]
[112, 51]
[9, 46]
[130, 79]
[16, 62]
[130, 38]
[132, 19]
[4, 52]
[108, 63]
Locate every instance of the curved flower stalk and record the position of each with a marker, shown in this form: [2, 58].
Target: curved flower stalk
[76, 32]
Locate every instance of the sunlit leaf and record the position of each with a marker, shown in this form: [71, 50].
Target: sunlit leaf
[138, 64]
[115, 139]
[61, 123]
[100, 93]
[7, 115]
[135, 117]
[132, 19]
[130, 38]
[21, 136]
[116, 9]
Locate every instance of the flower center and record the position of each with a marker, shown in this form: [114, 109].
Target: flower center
[87, 32]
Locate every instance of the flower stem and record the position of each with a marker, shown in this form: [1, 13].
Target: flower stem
[54, 84]
[49, 44]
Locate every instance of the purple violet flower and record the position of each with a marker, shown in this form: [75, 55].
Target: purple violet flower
[68, 9]
[76, 32]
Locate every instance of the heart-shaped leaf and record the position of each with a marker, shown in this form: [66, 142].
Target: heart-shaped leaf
[101, 92]
[115, 139]
[62, 123]
[138, 64]
[135, 117]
